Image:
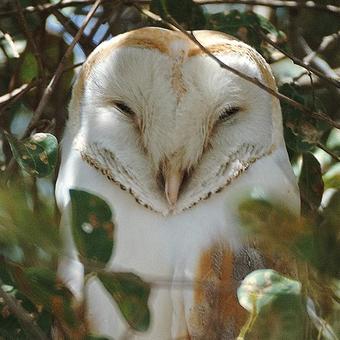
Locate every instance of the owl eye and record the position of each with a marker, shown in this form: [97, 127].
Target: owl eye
[228, 112]
[123, 108]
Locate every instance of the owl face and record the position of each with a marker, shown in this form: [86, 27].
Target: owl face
[163, 120]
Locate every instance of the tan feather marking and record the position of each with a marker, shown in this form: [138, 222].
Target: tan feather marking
[148, 38]
[161, 40]
[177, 81]
[216, 313]
[242, 50]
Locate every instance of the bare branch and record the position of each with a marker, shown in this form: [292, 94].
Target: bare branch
[16, 92]
[24, 318]
[11, 44]
[297, 61]
[48, 7]
[52, 85]
[171, 23]
[276, 4]
[29, 37]
[318, 62]
[325, 43]
[86, 45]
[270, 3]
[330, 152]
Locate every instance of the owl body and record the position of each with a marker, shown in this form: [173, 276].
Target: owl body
[173, 143]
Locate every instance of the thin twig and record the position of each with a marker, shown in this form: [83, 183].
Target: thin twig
[53, 82]
[325, 43]
[9, 96]
[86, 45]
[297, 61]
[13, 96]
[171, 23]
[52, 85]
[276, 4]
[23, 317]
[269, 3]
[16, 94]
[11, 44]
[30, 40]
[48, 7]
[330, 152]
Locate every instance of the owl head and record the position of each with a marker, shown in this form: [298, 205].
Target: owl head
[159, 117]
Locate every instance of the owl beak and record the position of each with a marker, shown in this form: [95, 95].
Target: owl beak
[173, 182]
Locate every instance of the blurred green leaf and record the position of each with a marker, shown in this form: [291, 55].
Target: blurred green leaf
[131, 295]
[301, 133]
[26, 236]
[244, 25]
[327, 239]
[185, 12]
[95, 337]
[331, 178]
[43, 288]
[37, 155]
[312, 241]
[282, 319]
[310, 184]
[28, 67]
[92, 226]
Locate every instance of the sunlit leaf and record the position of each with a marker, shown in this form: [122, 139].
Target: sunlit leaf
[131, 294]
[262, 286]
[37, 154]
[310, 184]
[92, 226]
[276, 301]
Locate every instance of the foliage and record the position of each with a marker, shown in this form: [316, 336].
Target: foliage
[29, 237]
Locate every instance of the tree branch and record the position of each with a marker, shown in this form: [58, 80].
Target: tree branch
[171, 23]
[11, 44]
[269, 3]
[52, 85]
[30, 40]
[325, 43]
[16, 92]
[330, 152]
[48, 7]
[276, 4]
[86, 45]
[297, 61]
[23, 317]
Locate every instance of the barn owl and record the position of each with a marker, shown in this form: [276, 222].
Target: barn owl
[173, 143]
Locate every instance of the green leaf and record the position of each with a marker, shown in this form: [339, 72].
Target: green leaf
[28, 68]
[262, 286]
[92, 226]
[310, 184]
[327, 240]
[301, 133]
[131, 294]
[95, 337]
[186, 12]
[37, 154]
[245, 25]
[43, 288]
[331, 178]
